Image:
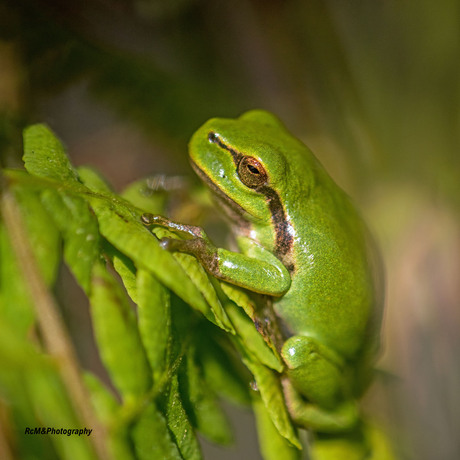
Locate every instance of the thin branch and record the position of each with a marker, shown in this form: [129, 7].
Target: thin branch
[55, 336]
[5, 447]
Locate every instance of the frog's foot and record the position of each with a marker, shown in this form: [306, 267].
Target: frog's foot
[342, 418]
[192, 230]
[198, 245]
[314, 386]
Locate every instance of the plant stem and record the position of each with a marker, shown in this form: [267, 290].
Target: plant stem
[55, 336]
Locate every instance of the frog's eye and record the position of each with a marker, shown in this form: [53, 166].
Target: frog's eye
[251, 172]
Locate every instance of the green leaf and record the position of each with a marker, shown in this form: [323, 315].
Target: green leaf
[240, 298]
[272, 396]
[132, 225]
[195, 271]
[122, 227]
[151, 436]
[93, 180]
[250, 337]
[120, 223]
[273, 446]
[154, 313]
[43, 235]
[179, 424]
[126, 269]
[44, 155]
[79, 230]
[201, 279]
[201, 402]
[258, 314]
[117, 336]
[223, 370]
[16, 177]
[104, 402]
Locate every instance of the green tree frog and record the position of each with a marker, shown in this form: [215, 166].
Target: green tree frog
[303, 243]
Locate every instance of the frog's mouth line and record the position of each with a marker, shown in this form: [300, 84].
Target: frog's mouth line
[233, 209]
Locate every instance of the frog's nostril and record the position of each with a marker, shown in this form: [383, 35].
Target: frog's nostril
[213, 137]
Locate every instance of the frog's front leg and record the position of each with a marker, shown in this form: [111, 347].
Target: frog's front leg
[315, 387]
[257, 270]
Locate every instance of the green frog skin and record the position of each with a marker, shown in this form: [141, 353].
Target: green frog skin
[303, 243]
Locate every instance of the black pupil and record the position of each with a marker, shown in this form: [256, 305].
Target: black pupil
[253, 170]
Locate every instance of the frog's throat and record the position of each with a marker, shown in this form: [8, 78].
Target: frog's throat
[283, 228]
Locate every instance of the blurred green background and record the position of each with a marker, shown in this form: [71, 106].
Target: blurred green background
[373, 87]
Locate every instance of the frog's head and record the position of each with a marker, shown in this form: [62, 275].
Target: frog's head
[252, 164]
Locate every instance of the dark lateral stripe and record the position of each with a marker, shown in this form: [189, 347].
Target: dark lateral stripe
[284, 239]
